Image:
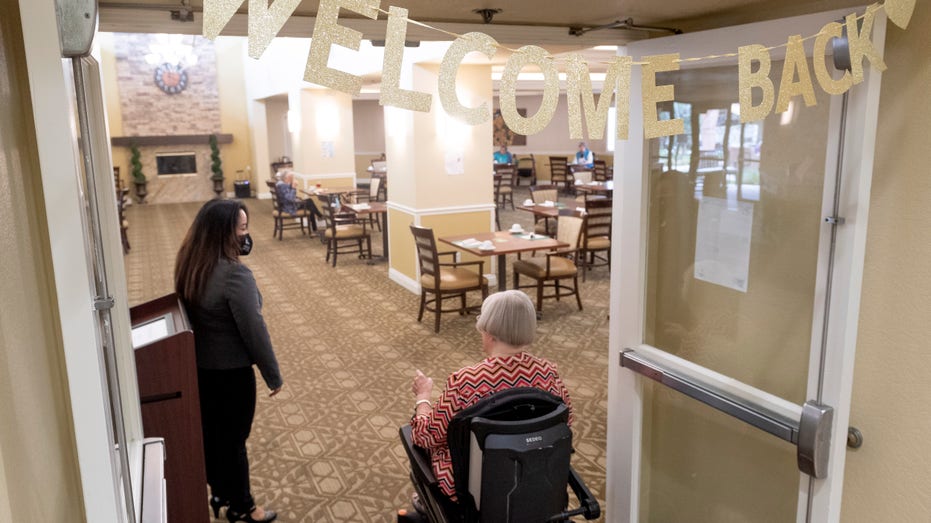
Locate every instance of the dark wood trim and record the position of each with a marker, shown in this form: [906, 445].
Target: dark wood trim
[179, 139]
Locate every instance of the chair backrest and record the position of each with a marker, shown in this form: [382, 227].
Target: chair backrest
[542, 193]
[598, 217]
[510, 453]
[507, 173]
[328, 209]
[559, 168]
[374, 186]
[426, 252]
[273, 190]
[569, 230]
[527, 162]
[600, 170]
[582, 176]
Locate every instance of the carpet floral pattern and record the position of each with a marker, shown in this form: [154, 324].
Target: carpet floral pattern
[347, 338]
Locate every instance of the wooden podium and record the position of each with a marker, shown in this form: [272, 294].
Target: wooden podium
[167, 372]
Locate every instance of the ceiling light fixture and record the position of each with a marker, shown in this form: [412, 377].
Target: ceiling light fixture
[487, 14]
[627, 24]
[172, 49]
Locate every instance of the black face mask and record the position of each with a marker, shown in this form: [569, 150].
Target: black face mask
[245, 245]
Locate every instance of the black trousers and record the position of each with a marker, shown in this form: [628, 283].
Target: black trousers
[227, 407]
[311, 207]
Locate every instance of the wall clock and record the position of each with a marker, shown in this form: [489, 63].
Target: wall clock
[170, 78]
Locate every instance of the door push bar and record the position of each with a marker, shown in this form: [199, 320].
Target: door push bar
[811, 434]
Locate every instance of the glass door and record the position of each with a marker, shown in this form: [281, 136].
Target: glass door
[736, 294]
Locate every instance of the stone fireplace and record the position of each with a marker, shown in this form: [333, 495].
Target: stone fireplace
[164, 125]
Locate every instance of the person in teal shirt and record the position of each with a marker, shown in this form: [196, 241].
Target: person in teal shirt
[503, 156]
[584, 157]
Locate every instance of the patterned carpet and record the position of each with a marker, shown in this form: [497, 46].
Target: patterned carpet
[348, 341]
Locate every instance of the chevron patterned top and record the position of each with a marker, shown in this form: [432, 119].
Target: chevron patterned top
[468, 385]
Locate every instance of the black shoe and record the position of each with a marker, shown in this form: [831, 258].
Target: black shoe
[233, 516]
[216, 504]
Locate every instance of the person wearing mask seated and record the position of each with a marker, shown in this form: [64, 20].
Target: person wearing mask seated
[286, 190]
[584, 157]
[507, 324]
[503, 156]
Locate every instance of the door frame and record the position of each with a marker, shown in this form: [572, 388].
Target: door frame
[628, 272]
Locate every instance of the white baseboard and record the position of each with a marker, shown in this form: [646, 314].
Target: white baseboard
[404, 281]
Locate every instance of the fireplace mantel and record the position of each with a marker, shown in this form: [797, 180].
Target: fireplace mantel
[174, 139]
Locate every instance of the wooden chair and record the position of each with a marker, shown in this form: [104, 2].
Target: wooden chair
[527, 168]
[555, 265]
[371, 196]
[580, 177]
[382, 195]
[596, 235]
[504, 185]
[343, 229]
[600, 172]
[559, 172]
[444, 280]
[285, 220]
[540, 194]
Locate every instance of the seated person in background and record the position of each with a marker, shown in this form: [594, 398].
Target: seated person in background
[584, 157]
[507, 324]
[286, 190]
[503, 156]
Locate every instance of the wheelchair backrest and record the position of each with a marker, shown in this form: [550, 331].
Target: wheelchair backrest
[510, 455]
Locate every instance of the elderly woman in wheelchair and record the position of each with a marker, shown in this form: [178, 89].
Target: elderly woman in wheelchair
[495, 446]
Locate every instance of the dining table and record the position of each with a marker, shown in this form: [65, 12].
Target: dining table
[380, 209]
[325, 191]
[606, 187]
[504, 243]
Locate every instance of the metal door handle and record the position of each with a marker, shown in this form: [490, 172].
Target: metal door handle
[811, 433]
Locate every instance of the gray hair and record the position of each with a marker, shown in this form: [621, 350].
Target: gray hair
[510, 317]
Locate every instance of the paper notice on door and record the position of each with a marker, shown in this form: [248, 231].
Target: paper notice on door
[722, 245]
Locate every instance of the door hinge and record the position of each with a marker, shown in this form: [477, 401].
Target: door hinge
[835, 220]
[101, 304]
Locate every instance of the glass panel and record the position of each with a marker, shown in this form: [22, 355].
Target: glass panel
[734, 224]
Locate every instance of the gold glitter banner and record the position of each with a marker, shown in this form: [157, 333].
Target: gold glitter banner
[265, 21]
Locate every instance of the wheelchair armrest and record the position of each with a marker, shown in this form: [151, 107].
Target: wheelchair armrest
[420, 460]
[590, 509]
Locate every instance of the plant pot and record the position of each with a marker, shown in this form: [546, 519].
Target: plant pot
[218, 187]
[141, 191]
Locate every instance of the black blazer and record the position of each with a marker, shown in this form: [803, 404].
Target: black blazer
[229, 331]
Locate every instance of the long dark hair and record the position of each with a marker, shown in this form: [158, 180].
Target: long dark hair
[212, 236]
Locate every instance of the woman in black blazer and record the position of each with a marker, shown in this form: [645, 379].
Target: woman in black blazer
[225, 309]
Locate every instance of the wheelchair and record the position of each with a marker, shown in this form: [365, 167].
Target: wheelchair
[510, 455]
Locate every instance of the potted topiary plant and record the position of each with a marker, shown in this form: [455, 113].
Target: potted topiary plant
[139, 180]
[215, 166]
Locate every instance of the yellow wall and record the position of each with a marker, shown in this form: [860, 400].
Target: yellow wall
[403, 257]
[234, 116]
[39, 478]
[887, 479]
[460, 223]
[326, 116]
